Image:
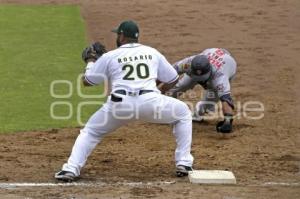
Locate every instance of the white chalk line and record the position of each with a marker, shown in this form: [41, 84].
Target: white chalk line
[83, 184]
[130, 184]
[281, 184]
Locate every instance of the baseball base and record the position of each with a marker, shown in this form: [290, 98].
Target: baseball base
[212, 177]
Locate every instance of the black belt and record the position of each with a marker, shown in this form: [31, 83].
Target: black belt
[124, 92]
[141, 92]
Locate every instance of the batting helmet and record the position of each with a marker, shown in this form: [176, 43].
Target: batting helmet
[201, 68]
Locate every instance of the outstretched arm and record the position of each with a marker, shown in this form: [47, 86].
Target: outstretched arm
[225, 126]
[164, 87]
[84, 79]
[227, 107]
[90, 55]
[85, 82]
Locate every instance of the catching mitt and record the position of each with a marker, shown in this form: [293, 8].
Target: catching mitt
[93, 52]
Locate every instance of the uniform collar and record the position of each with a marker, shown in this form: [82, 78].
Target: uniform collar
[130, 45]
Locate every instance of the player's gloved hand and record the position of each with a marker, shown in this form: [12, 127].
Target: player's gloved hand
[225, 126]
[93, 52]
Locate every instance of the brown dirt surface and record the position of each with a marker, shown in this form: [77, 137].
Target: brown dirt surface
[264, 37]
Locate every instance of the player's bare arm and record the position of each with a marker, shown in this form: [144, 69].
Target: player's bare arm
[226, 108]
[225, 126]
[85, 82]
[163, 87]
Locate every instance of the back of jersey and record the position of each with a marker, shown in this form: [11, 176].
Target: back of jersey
[134, 67]
[221, 60]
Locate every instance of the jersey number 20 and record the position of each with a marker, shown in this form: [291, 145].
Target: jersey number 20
[142, 71]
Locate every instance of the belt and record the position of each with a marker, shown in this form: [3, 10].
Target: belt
[140, 92]
[124, 92]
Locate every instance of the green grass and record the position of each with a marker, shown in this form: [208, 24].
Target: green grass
[39, 44]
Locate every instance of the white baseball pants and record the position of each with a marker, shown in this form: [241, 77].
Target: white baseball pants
[150, 107]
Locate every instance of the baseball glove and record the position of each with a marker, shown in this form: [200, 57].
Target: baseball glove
[93, 52]
[225, 126]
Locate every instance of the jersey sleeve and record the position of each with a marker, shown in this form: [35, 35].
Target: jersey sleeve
[166, 72]
[97, 72]
[184, 65]
[221, 84]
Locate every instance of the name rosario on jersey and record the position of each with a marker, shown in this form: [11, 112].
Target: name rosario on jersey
[134, 58]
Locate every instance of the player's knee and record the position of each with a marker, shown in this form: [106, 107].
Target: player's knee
[90, 132]
[184, 111]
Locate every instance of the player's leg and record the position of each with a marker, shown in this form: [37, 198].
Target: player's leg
[168, 110]
[101, 122]
[184, 83]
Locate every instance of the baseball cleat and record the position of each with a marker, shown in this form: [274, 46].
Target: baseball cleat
[182, 170]
[65, 176]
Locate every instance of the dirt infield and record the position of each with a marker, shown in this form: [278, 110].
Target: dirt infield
[264, 37]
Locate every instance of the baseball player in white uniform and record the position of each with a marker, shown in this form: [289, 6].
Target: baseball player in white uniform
[132, 70]
[214, 68]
